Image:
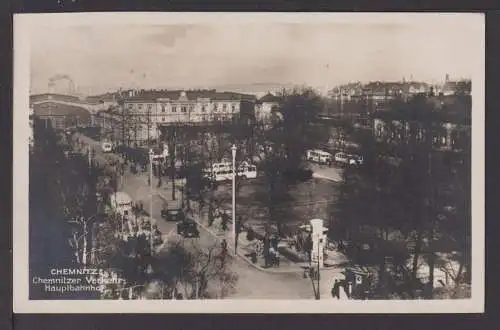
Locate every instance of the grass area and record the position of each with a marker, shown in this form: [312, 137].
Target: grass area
[310, 199]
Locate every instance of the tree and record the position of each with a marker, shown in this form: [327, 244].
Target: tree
[198, 271]
[296, 114]
[60, 191]
[407, 198]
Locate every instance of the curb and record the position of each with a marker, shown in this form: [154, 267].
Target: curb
[239, 254]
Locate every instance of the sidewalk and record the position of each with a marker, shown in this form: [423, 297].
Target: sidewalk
[245, 247]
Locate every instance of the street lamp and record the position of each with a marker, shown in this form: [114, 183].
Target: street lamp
[151, 198]
[233, 150]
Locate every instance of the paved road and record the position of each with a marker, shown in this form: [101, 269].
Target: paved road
[252, 283]
[137, 188]
[326, 172]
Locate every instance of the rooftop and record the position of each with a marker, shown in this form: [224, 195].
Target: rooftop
[211, 94]
[269, 98]
[57, 109]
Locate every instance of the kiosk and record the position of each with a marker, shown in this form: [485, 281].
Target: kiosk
[318, 235]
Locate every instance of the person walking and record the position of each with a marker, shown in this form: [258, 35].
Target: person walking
[266, 250]
[224, 222]
[308, 245]
[239, 229]
[336, 290]
[224, 249]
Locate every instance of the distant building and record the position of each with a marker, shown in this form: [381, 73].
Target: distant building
[265, 106]
[453, 119]
[456, 88]
[62, 116]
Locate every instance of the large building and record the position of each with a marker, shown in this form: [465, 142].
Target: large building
[62, 116]
[451, 124]
[142, 114]
[265, 106]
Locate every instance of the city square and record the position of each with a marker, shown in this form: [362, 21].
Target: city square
[278, 175]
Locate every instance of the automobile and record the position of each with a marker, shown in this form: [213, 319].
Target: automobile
[341, 158]
[188, 228]
[355, 160]
[176, 214]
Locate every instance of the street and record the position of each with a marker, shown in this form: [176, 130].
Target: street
[253, 281]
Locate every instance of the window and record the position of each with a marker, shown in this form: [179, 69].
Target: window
[224, 106]
[163, 108]
[140, 106]
[215, 107]
[183, 109]
[233, 108]
[174, 109]
[203, 109]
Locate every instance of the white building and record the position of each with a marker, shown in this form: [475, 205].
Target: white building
[265, 106]
[146, 112]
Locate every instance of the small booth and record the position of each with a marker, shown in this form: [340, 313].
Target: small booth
[318, 233]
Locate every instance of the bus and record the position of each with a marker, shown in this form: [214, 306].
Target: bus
[319, 156]
[348, 159]
[121, 203]
[224, 171]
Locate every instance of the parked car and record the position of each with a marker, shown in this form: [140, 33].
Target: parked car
[355, 160]
[341, 158]
[188, 228]
[176, 214]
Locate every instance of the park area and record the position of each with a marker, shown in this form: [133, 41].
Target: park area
[310, 199]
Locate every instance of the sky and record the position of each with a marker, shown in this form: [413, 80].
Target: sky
[104, 57]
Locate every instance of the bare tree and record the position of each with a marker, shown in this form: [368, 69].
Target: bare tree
[199, 271]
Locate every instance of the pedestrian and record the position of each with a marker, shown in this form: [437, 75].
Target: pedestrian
[224, 249]
[272, 256]
[308, 244]
[225, 220]
[266, 249]
[336, 290]
[345, 286]
[274, 242]
[277, 258]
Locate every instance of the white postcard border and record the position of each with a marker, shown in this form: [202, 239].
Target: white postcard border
[22, 26]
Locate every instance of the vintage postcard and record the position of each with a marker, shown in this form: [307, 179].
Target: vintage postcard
[257, 162]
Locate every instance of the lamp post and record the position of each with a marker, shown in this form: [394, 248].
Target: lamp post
[151, 198]
[233, 150]
[318, 269]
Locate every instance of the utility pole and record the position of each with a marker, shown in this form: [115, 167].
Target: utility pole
[151, 197]
[90, 160]
[318, 269]
[233, 151]
[341, 103]
[149, 125]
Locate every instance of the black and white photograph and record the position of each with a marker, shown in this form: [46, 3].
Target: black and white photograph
[297, 162]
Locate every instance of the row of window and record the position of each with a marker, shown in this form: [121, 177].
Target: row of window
[183, 108]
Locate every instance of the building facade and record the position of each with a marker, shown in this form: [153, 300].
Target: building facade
[446, 135]
[145, 113]
[265, 106]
